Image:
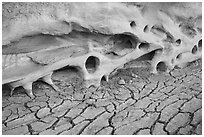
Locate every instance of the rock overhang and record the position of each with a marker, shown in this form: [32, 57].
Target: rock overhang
[111, 33]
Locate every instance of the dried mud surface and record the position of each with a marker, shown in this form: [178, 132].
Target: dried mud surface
[132, 102]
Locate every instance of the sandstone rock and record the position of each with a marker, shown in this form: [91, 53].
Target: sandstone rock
[96, 38]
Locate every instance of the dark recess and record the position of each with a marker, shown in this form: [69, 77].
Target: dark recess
[200, 44]
[132, 24]
[179, 56]
[144, 45]
[178, 41]
[92, 64]
[146, 28]
[194, 49]
[161, 66]
[103, 80]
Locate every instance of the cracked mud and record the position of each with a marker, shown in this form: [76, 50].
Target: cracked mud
[132, 102]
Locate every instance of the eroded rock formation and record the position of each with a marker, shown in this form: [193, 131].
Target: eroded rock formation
[96, 38]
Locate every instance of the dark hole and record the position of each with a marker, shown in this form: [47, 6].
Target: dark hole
[103, 80]
[178, 41]
[132, 24]
[146, 28]
[144, 46]
[194, 49]
[200, 44]
[179, 56]
[161, 66]
[92, 64]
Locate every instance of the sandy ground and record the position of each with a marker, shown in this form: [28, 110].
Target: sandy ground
[132, 102]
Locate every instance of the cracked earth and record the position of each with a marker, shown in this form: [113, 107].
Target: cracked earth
[132, 102]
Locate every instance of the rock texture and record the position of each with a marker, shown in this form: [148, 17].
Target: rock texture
[97, 38]
[103, 64]
[147, 104]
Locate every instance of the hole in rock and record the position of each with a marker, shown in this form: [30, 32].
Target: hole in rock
[178, 41]
[200, 44]
[132, 24]
[92, 64]
[6, 90]
[146, 28]
[179, 56]
[194, 49]
[103, 80]
[144, 45]
[161, 66]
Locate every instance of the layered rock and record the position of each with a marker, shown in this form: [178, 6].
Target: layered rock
[96, 38]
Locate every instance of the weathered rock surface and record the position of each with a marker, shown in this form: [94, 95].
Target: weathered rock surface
[157, 105]
[110, 68]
